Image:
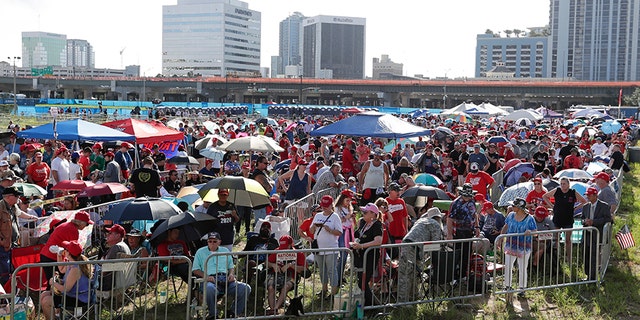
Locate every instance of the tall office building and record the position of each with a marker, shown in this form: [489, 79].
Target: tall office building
[43, 49]
[333, 45]
[290, 38]
[524, 56]
[210, 38]
[80, 54]
[595, 40]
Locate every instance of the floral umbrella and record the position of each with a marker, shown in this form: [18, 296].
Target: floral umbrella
[85, 234]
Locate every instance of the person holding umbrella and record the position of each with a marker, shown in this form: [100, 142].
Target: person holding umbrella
[227, 216]
[220, 277]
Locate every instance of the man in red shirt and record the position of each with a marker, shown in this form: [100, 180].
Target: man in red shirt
[534, 197]
[68, 231]
[479, 180]
[284, 269]
[175, 247]
[398, 209]
[38, 172]
[85, 162]
[348, 161]
[573, 160]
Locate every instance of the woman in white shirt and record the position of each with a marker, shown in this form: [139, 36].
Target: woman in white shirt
[327, 228]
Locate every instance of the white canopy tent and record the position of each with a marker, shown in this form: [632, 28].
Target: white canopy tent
[525, 113]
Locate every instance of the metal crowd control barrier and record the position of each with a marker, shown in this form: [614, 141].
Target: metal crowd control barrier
[422, 272]
[552, 263]
[297, 211]
[128, 290]
[333, 192]
[303, 282]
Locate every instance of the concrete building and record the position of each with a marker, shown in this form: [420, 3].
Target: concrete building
[383, 67]
[44, 49]
[333, 46]
[210, 38]
[80, 54]
[595, 40]
[524, 56]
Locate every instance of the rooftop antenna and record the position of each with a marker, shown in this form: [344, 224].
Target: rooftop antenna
[121, 62]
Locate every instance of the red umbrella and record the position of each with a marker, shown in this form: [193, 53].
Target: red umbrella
[510, 164]
[103, 189]
[72, 185]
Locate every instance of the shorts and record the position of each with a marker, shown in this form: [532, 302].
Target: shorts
[278, 279]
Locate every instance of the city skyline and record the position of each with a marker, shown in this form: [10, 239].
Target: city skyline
[444, 44]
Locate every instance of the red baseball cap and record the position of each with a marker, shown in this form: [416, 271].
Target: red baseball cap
[488, 205]
[56, 222]
[83, 216]
[602, 175]
[302, 162]
[591, 190]
[326, 201]
[117, 229]
[109, 154]
[285, 241]
[541, 212]
[73, 247]
[348, 193]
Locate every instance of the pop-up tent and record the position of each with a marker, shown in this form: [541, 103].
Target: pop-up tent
[76, 129]
[372, 124]
[146, 132]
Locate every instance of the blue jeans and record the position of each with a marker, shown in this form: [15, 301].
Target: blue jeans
[234, 290]
[327, 264]
[342, 257]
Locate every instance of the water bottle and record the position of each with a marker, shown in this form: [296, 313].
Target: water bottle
[55, 249]
[162, 297]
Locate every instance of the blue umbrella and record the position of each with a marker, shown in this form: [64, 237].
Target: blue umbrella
[427, 179]
[611, 126]
[518, 190]
[595, 167]
[281, 164]
[419, 113]
[513, 175]
[580, 187]
[498, 139]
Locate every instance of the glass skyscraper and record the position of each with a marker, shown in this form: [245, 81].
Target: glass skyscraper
[210, 38]
[290, 41]
[80, 54]
[595, 40]
[43, 49]
[333, 45]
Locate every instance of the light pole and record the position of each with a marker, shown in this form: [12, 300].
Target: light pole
[15, 96]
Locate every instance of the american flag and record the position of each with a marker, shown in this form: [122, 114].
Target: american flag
[625, 238]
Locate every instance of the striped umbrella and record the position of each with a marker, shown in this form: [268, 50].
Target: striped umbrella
[427, 179]
[573, 174]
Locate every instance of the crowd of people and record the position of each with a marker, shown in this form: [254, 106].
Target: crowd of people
[366, 210]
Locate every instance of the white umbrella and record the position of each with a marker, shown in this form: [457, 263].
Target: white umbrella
[524, 122]
[529, 114]
[207, 141]
[211, 126]
[252, 143]
[174, 123]
[228, 125]
[592, 131]
[212, 153]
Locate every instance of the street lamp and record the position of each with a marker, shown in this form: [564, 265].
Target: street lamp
[15, 96]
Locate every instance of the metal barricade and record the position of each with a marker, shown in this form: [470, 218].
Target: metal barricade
[117, 287]
[257, 283]
[423, 272]
[551, 262]
[298, 211]
[333, 192]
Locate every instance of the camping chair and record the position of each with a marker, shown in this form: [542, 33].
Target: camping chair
[124, 277]
[83, 312]
[30, 280]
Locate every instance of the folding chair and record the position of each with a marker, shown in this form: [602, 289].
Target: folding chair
[442, 274]
[30, 280]
[124, 277]
[84, 312]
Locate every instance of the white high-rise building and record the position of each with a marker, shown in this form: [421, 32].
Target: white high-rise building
[210, 38]
[80, 54]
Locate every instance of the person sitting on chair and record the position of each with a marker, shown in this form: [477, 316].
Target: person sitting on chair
[220, 278]
[259, 242]
[175, 247]
[284, 270]
[115, 242]
[75, 284]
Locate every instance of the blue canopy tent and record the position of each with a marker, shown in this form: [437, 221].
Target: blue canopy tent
[372, 124]
[76, 130]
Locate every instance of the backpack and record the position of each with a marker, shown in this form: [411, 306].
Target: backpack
[477, 273]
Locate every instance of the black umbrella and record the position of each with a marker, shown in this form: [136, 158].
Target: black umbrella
[417, 196]
[188, 160]
[193, 226]
[550, 184]
[143, 208]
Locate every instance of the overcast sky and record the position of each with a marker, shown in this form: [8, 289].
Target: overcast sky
[429, 37]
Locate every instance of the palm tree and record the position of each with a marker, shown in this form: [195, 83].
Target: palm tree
[517, 32]
[508, 32]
